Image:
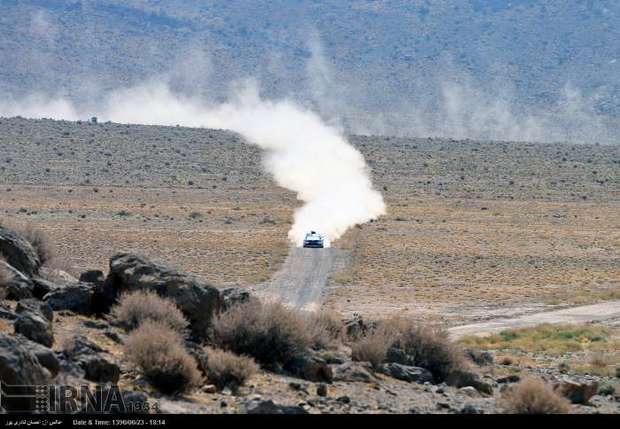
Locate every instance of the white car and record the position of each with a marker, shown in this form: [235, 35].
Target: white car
[313, 239]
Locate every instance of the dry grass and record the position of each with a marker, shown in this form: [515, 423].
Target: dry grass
[327, 329]
[135, 308]
[226, 369]
[534, 396]
[270, 332]
[374, 346]
[39, 242]
[158, 352]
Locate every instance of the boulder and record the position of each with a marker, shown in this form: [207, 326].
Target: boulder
[354, 371]
[19, 288]
[480, 358]
[463, 378]
[35, 306]
[100, 369]
[42, 287]
[411, 374]
[578, 392]
[270, 407]
[198, 300]
[93, 276]
[18, 252]
[20, 368]
[46, 356]
[233, 296]
[310, 367]
[77, 297]
[34, 321]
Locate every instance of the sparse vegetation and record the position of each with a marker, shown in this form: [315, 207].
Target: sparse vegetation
[226, 369]
[269, 332]
[534, 396]
[135, 308]
[424, 346]
[326, 329]
[158, 352]
[39, 242]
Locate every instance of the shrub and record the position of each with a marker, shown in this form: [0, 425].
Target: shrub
[606, 389]
[402, 341]
[534, 396]
[270, 333]
[134, 308]
[39, 242]
[326, 329]
[373, 347]
[158, 352]
[226, 369]
[431, 348]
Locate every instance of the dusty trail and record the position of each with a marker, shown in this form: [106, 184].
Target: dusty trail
[300, 281]
[603, 311]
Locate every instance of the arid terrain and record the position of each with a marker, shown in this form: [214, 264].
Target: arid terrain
[473, 230]
[477, 233]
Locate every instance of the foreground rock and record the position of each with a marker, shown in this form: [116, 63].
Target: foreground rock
[46, 356]
[77, 297]
[19, 367]
[270, 407]
[18, 252]
[578, 392]
[354, 372]
[310, 367]
[412, 374]
[198, 300]
[34, 321]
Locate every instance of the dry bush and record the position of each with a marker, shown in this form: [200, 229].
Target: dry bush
[270, 332]
[326, 329]
[226, 369]
[158, 352]
[534, 396]
[39, 242]
[134, 308]
[373, 347]
[423, 346]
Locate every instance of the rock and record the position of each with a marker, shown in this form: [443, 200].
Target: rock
[344, 400]
[19, 367]
[321, 389]
[46, 356]
[354, 371]
[462, 378]
[411, 374]
[398, 355]
[6, 313]
[209, 388]
[93, 276]
[35, 306]
[310, 367]
[198, 300]
[469, 391]
[18, 252]
[509, 379]
[233, 296]
[19, 288]
[100, 369]
[470, 409]
[578, 392]
[77, 297]
[42, 287]
[270, 407]
[79, 346]
[480, 358]
[35, 326]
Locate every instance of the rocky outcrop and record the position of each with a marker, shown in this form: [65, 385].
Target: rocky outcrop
[18, 252]
[19, 367]
[354, 372]
[233, 296]
[198, 300]
[46, 356]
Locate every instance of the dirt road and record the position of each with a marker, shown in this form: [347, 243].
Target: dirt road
[603, 311]
[300, 281]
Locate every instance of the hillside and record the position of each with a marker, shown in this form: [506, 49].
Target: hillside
[386, 60]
